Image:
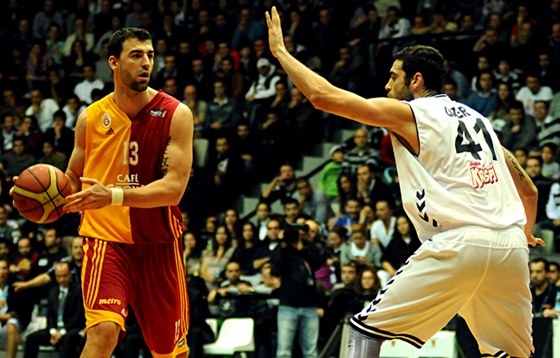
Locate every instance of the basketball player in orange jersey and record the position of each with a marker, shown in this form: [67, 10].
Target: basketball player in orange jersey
[129, 169]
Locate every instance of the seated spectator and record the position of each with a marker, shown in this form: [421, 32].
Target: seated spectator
[192, 254]
[9, 324]
[367, 217]
[292, 210]
[550, 167]
[504, 74]
[543, 292]
[18, 159]
[361, 154]
[533, 91]
[231, 286]
[549, 127]
[29, 131]
[335, 241]
[403, 244]
[519, 130]
[65, 318]
[90, 82]
[9, 229]
[369, 285]
[25, 260]
[370, 187]
[330, 173]
[80, 34]
[350, 214]
[246, 248]
[282, 186]
[72, 108]
[269, 249]
[360, 251]
[313, 203]
[249, 149]
[222, 113]
[225, 174]
[233, 225]
[53, 157]
[484, 99]
[215, 258]
[262, 90]
[505, 99]
[198, 108]
[543, 184]
[42, 108]
[383, 228]
[263, 216]
[60, 135]
[344, 300]
[554, 273]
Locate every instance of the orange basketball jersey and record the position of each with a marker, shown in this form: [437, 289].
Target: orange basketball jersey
[128, 153]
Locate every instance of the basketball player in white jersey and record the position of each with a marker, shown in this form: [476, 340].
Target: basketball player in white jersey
[469, 199]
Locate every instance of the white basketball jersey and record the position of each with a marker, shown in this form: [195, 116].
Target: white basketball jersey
[460, 177]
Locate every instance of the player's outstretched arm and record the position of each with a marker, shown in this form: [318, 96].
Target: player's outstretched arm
[382, 112]
[528, 193]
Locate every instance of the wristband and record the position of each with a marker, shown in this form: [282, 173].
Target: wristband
[117, 196]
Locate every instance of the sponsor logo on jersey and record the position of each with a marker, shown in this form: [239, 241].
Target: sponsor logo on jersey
[483, 175]
[106, 120]
[110, 131]
[157, 113]
[109, 301]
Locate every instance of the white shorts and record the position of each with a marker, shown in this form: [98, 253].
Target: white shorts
[481, 274]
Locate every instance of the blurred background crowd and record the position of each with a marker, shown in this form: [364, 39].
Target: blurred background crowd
[321, 240]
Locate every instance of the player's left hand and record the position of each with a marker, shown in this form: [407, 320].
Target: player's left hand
[95, 196]
[275, 38]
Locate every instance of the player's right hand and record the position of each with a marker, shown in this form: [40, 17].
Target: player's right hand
[275, 38]
[534, 241]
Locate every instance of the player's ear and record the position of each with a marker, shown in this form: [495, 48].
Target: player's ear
[112, 60]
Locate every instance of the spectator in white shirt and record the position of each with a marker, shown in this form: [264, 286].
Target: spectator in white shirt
[90, 82]
[383, 228]
[532, 92]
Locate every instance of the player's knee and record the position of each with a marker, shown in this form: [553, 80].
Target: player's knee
[104, 332]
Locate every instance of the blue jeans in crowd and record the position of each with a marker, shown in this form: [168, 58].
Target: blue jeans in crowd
[302, 320]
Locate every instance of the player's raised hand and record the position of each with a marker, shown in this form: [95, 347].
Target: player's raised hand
[275, 38]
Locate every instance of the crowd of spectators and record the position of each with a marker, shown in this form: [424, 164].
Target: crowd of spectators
[341, 240]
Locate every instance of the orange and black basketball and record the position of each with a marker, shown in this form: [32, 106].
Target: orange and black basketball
[39, 193]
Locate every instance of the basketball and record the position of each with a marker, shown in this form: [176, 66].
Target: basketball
[39, 193]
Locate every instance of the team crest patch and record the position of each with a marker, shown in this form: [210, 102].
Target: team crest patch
[106, 120]
[157, 113]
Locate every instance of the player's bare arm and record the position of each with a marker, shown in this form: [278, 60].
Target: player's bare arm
[382, 112]
[166, 191]
[528, 193]
[76, 163]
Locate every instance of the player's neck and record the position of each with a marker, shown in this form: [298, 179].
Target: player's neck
[131, 102]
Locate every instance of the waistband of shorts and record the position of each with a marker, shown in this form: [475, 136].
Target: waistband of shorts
[511, 237]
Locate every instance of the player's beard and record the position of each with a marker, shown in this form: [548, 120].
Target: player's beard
[403, 95]
[132, 83]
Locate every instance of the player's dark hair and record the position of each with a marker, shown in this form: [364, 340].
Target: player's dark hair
[426, 60]
[120, 36]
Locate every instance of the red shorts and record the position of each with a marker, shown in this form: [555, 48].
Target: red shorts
[149, 277]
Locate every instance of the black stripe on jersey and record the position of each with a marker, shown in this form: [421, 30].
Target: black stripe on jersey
[499, 354]
[384, 335]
